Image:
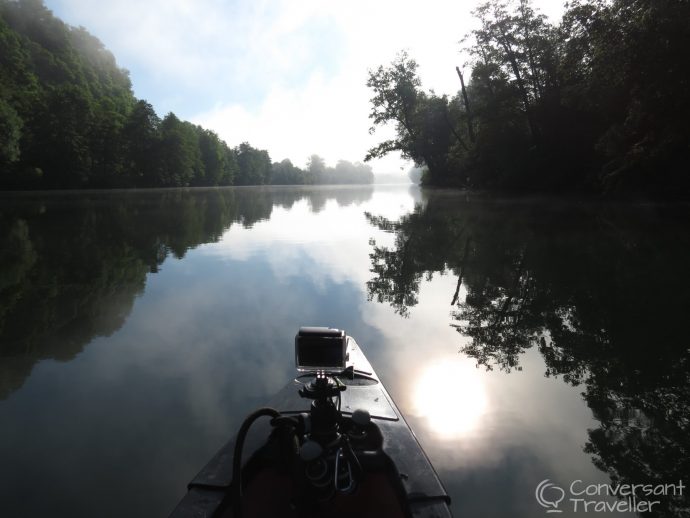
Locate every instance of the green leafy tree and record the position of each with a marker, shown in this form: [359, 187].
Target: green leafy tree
[213, 158]
[60, 139]
[518, 40]
[254, 165]
[232, 168]
[595, 102]
[68, 117]
[395, 92]
[285, 173]
[624, 70]
[179, 154]
[10, 133]
[141, 142]
[425, 131]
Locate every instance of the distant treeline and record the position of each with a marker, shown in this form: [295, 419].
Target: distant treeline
[316, 172]
[596, 102]
[69, 119]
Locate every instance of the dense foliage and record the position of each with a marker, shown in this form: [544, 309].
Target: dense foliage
[69, 119]
[596, 102]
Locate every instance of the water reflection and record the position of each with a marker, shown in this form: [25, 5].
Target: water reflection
[138, 329]
[162, 345]
[72, 265]
[451, 395]
[598, 290]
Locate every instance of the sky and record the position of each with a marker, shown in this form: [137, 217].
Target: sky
[288, 76]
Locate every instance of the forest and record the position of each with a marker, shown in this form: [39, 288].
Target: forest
[594, 103]
[69, 119]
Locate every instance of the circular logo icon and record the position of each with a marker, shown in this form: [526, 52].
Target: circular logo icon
[549, 495]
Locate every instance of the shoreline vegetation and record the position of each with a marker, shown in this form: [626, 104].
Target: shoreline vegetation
[593, 104]
[69, 120]
[596, 103]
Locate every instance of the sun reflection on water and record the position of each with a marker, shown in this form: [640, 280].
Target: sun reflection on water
[450, 394]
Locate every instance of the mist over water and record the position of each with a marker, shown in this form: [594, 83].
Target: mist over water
[523, 339]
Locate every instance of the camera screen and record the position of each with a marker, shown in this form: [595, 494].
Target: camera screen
[320, 354]
[324, 349]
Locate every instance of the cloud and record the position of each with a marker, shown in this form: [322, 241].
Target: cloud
[188, 55]
[328, 113]
[286, 75]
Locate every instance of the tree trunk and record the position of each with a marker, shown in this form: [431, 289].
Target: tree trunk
[470, 126]
[536, 83]
[462, 271]
[452, 129]
[510, 55]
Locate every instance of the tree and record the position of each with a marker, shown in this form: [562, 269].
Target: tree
[179, 154]
[10, 133]
[285, 173]
[213, 158]
[141, 133]
[395, 92]
[68, 117]
[424, 131]
[520, 42]
[438, 139]
[316, 170]
[60, 137]
[232, 169]
[254, 165]
[624, 67]
[347, 172]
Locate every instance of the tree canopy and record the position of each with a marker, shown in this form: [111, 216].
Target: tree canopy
[593, 103]
[69, 119]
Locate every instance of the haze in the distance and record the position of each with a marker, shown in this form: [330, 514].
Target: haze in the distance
[287, 76]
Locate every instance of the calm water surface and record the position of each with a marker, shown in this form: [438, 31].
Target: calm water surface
[524, 340]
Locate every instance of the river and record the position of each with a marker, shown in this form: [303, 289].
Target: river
[523, 339]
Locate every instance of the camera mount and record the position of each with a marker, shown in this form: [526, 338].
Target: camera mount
[324, 413]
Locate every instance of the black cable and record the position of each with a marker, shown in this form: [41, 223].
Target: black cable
[237, 454]
[338, 384]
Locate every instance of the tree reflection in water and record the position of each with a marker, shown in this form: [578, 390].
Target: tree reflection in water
[72, 264]
[600, 290]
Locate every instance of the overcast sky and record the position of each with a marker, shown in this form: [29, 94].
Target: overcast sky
[288, 76]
